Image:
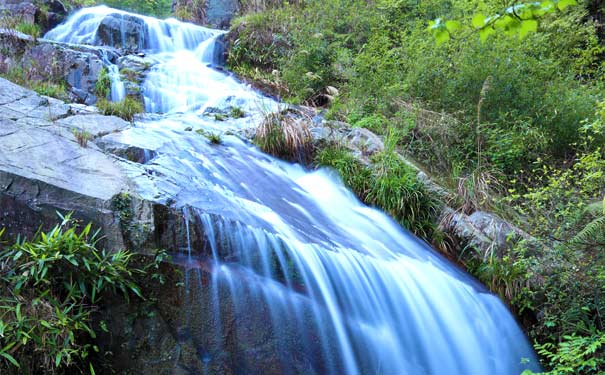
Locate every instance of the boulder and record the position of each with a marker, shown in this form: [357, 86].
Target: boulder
[20, 11]
[43, 169]
[45, 13]
[123, 31]
[133, 72]
[483, 231]
[47, 61]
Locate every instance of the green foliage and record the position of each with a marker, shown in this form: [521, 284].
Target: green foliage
[125, 109]
[55, 90]
[157, 8]
[237, 112]
[49, 287]
[355, 175]
[82, 137]
[575, 354]
[375, 122]
[517, 19]
[389, 183]
[47, 86]
[29, 29]
[396, 189]
[509, 123]
[103, 84]
[214, 138]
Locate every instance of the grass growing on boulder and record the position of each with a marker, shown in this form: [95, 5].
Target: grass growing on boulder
[214, 138]
[82, 137]
[284, 136]
[103, 84]
[125, 109]
[388, 183]
[31, 29]
[49, 87]
[55, 90]
[237, 112]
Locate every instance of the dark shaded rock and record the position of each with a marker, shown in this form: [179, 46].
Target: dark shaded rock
[50, 13]
[123, 31]
[213, 13]
[80, 69]
[45, 13]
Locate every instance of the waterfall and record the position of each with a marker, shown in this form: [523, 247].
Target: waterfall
[286, 272]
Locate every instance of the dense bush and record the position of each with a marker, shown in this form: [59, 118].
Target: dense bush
[49, 287]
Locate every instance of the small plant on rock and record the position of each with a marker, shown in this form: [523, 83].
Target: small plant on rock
[237, 112]
[214, 138]
[103, 85]
[82, 137]
[125, 109]
[285, 136]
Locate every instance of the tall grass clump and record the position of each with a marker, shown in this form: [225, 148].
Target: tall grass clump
[125, 109]
[283, 135]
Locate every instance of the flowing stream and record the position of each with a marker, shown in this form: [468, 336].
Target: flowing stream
[287, 271]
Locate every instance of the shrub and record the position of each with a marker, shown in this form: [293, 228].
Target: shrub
[125, 109]
[49, 287]
[397, 190]
[284, 136]
[103, 84]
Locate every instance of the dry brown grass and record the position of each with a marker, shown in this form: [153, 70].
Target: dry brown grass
[285, 135]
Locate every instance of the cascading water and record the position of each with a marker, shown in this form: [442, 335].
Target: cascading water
[287, 272]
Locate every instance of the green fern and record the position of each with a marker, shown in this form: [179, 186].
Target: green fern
[592, 233]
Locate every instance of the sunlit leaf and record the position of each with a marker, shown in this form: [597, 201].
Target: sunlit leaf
[478, 20]
[528, 26]
[562, 4]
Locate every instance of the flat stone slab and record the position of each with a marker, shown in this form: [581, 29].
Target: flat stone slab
[95, 124]
[43, 168]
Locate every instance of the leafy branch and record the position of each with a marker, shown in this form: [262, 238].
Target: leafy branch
[518, 19]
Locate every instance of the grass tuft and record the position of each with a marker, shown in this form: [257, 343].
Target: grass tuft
[284, 136]
[125, 109]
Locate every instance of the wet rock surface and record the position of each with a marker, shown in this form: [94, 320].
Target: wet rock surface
[123, 31]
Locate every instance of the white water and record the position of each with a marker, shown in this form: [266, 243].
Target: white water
[340, 288]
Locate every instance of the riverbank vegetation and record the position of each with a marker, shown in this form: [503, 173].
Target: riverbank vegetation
[515, 123]
[52, 288]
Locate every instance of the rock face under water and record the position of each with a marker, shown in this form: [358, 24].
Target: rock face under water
[123, 31]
